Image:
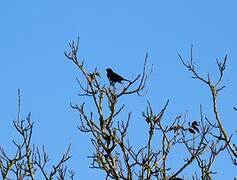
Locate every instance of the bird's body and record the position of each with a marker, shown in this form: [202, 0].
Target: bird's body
[114, 77]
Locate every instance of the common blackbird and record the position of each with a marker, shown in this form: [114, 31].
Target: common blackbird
[113, 77]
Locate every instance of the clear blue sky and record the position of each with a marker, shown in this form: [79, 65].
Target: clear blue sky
[34, 35]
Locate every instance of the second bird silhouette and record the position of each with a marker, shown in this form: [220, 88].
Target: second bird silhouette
[114, 77]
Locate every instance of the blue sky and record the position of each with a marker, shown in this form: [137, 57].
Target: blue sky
[34, 35]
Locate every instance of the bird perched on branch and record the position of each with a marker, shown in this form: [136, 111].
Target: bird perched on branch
[113, 77]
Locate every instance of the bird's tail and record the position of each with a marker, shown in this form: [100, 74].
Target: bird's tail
[126, 80]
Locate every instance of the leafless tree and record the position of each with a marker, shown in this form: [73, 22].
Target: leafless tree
[114, 154]
[204, 139]
[29, 162]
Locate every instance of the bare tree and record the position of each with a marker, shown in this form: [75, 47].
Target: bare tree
[114, 154]
[29, 162]
[204, 139]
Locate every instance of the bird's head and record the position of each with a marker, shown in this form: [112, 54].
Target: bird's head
[109, 70]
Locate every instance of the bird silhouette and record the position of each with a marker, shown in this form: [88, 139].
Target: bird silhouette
[114, 77]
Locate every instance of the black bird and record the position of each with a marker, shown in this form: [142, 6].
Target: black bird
[113, 77]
